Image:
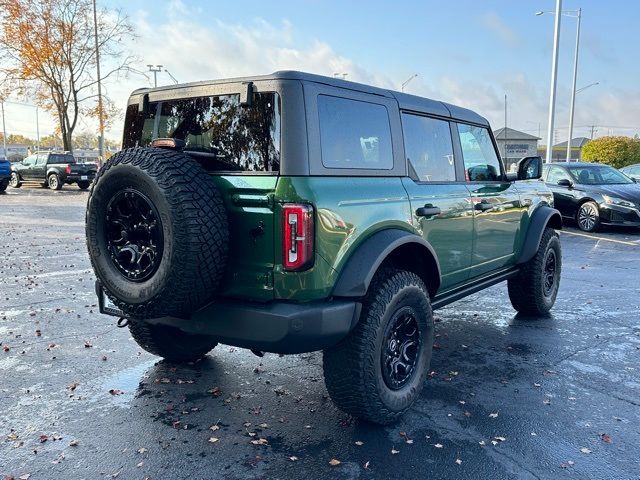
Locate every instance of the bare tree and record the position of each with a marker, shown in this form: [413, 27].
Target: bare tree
[47, 50]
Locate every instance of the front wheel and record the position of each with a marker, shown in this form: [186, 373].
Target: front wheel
[54, 182]
[378, 370]
[170, 343]
[533, 291]
[588, 217]
[15, 181]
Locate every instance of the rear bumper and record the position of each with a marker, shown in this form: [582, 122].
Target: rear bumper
[619, 215]
[278, 327]
[75, 178]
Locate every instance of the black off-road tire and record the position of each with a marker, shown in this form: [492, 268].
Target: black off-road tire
[83, 185]
[353, 369]
[170, 343]
[53, 180]
[527, 291]
[3, 185]
[193, 223]
[15, 181]
[588, 217]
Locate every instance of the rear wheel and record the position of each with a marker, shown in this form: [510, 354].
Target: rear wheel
[378, 370]
[54, 181]
[533, 291]
[15, 181]
[83, 185]
[588, 217]
[170, 343]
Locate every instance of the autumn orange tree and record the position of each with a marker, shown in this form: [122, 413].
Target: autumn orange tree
[47, 50]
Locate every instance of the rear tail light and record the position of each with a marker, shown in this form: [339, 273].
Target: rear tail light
[68, 169]
[298, 236]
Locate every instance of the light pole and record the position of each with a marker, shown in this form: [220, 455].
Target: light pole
[172, 77]
[406, 82]
[575, 14]
[554, 78]
[100, 106]
[155, 69]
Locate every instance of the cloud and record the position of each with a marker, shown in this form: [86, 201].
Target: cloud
[496, 25]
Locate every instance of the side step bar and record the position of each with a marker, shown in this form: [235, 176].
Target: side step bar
[445, 298]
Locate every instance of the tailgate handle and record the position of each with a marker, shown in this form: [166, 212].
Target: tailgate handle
[428, 211]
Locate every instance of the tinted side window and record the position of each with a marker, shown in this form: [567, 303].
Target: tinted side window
[555, 174]
[428, 146]
[481, 163]
[354, 134]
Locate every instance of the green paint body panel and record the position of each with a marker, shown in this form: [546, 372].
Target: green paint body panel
[348, 210]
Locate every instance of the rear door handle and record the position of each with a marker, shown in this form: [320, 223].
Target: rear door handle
[428, 211]
[483, 206]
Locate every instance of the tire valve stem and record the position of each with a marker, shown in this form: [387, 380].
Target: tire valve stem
[122, 322]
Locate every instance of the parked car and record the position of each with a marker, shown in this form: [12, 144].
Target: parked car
[53, 170]
[593, 194]
[293, 212]
[5, 173]
[632, 171]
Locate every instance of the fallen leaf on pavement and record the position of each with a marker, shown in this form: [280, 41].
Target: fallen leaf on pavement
[213, 439]
[493, 415]
[605, 438]
[74, 443]
[458, 461]
[293, 458]
[438, 445]
[394, 451]
[359, 443]
[333, 462]
[585, 450]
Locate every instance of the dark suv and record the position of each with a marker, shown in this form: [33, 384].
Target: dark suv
[293, 212]
[53, 170]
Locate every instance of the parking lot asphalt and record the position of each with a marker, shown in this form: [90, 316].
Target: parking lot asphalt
[508, 397]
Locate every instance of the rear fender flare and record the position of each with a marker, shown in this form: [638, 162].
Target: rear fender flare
[358, 271]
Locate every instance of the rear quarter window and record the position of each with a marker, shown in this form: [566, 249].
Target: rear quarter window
[354, 134]
[61, 158]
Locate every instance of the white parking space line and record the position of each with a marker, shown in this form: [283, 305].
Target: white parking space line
[594, 237]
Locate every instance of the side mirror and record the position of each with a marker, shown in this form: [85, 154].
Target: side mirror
[530, 168]
[565, 182]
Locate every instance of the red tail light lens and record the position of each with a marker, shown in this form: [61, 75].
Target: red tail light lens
[68, 169]
[297, 221]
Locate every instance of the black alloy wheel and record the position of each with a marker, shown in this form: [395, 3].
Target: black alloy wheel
[401, 346]
[134, 235]
[549, 273]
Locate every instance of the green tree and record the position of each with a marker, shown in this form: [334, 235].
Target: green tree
[615, 151]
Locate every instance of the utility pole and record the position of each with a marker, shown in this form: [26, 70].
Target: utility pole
[100, 106]
[505, 126]
[554, 79]
[573, 90]
[155, 70]
[593, 130]
[4, 132]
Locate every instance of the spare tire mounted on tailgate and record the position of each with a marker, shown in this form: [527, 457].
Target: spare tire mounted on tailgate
[157, 232]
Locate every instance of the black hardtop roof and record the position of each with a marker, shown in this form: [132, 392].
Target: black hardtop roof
[405, 101]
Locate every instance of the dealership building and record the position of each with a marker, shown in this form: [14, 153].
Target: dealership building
[513, 145]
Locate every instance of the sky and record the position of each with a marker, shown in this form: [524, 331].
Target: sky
[468, 52]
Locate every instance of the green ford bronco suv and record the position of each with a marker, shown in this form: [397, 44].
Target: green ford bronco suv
[292, 212]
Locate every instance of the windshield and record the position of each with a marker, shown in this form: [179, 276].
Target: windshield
[598, 175]
[217, 129]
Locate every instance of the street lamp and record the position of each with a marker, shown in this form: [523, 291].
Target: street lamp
[554, 78]
[155, 69]
[587, 86]
[172, 77]
[575, 14]
[406, 82]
